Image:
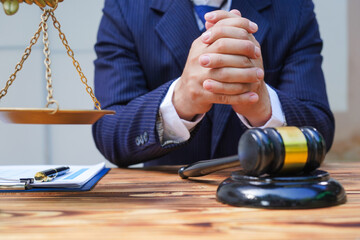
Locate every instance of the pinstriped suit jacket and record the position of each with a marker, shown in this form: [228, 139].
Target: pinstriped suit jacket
[142, 47]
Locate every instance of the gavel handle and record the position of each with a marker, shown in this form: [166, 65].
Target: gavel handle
[205, 167]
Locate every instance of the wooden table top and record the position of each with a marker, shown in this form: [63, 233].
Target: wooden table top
[156, 204]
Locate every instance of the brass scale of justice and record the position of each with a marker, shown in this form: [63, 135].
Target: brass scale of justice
[50, 115]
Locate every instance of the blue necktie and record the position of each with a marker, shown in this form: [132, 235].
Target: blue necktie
[201, 10]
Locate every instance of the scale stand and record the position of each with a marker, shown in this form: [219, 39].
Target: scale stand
[313, 190]
[50, 115]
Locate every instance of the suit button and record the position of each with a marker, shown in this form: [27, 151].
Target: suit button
[146, 137]
[138, 141]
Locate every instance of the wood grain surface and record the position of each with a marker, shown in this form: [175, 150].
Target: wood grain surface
[154, 203]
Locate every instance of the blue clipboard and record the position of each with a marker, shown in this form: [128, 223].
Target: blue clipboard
[86, 187]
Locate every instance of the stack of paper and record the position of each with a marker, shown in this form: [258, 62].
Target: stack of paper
[76, 178]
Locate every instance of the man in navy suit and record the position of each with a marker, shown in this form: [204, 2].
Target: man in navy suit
[186, 86]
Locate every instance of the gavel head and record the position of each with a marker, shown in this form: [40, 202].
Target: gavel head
[281, 151]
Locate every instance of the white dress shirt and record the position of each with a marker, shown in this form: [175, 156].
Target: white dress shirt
[177, 130]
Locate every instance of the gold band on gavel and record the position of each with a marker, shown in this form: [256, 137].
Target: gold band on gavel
[296, 150]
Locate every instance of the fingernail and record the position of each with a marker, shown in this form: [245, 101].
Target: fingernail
[257, 52]
[207, 85]
[235, 11]
[206, 36]
[253, 26]
[253, 97]
[210, 16]
[204, 60]
[259, 73]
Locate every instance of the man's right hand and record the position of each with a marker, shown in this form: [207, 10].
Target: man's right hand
[189, 96]
[222, 61]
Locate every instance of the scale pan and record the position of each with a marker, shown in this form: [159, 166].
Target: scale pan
[47, 116]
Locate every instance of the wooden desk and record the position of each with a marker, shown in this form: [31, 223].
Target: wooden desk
[157, 204]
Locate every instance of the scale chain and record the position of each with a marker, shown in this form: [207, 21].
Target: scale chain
[44, 27]
[76, 64]
[24, 57]
[47, 61]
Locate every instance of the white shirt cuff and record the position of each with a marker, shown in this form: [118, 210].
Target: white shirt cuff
[175, 128]
[277, 118]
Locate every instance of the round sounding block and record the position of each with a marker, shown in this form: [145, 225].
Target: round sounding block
[312, 190]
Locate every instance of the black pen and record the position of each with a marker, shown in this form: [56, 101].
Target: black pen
[49, 174]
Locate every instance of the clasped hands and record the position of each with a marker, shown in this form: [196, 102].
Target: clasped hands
[224, 66]
[12, 6]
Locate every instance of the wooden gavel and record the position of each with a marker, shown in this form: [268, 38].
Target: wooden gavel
[273, 151]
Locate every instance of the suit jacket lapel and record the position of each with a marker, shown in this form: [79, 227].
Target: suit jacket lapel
[175, 29]
[249, 9]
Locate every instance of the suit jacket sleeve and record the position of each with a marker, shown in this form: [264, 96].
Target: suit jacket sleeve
[130, 136]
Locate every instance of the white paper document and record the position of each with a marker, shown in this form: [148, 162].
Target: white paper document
[75, 178]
